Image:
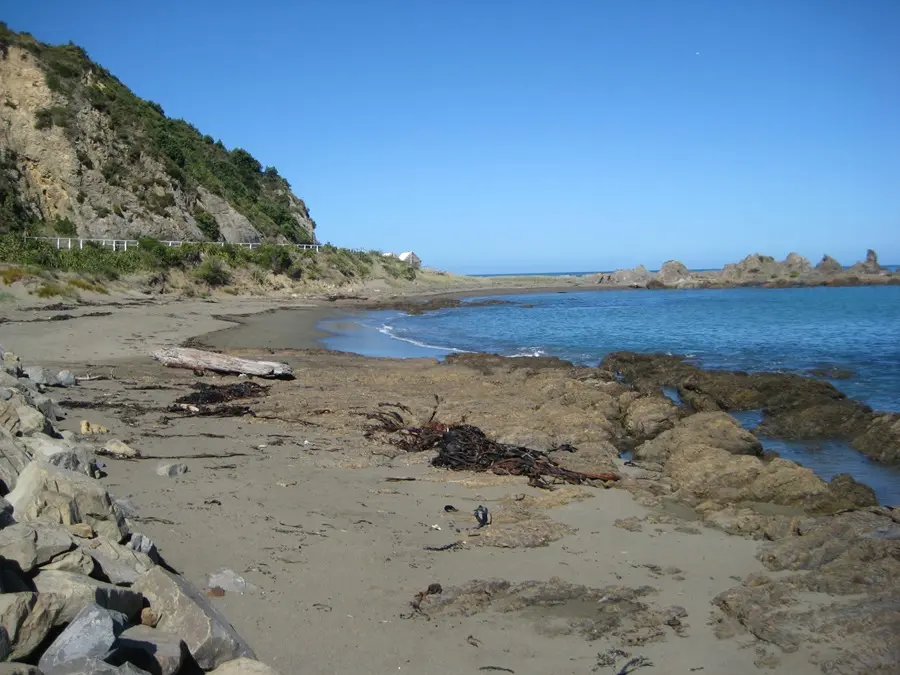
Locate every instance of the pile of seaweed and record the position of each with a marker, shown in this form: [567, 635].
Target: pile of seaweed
[464, 447]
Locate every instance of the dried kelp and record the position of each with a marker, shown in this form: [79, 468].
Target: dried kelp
[464, 447]
[212, 394]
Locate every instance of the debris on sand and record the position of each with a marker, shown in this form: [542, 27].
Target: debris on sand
[189, 410]
[199, 360]
[464, 447]
[211, 394]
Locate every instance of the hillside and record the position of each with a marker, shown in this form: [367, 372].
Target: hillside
[81, 154]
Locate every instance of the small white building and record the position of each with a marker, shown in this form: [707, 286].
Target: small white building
[411, 258]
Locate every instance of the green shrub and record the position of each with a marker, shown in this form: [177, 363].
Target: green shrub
[64, 227]
[57, 115]
[213, 272]
[207, 224]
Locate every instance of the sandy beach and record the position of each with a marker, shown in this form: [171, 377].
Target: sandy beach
[311, 514]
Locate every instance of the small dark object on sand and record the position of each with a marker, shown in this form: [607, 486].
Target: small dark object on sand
[190, 410]
[634, 664]
[449, 508]
[464, 447]
[482, 516]
[445, 547]
[497, 668]
[211, 394]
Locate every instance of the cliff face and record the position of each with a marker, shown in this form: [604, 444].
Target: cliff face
[81, 154]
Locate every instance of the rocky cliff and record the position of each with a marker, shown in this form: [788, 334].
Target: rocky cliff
[81, 154]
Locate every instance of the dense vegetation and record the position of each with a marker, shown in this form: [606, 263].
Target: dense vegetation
[210, 263]
[141, 129]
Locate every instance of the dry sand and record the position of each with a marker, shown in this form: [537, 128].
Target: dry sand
[334, 550]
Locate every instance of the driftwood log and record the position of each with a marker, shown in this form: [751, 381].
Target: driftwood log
[197, 359]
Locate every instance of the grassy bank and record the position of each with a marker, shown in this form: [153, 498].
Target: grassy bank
[208, 264]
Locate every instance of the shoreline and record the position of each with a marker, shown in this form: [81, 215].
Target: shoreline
[298, 501]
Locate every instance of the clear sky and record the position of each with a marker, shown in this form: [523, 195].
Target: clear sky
[507, 135]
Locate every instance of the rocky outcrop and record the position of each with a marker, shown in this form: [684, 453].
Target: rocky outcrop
[711, 429]
[672, 273]
[868, 266]
[755, 270]
[77, 585]
[854, 556]
[793, 406]
[829, 266]
[638, 277]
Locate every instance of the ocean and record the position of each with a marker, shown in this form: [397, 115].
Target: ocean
[855, 329]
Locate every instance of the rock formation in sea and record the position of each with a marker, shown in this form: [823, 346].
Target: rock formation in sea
[755, 270]
[829, 266]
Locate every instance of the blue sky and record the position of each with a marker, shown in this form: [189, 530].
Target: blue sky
[506, 136]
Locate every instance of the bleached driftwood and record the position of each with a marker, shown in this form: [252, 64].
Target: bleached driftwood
[197, 359]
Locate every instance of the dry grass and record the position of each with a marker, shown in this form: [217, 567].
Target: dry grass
[84, 285]
[53, 290]
[11, 275]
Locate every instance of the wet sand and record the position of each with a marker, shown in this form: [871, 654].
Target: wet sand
[298, 503]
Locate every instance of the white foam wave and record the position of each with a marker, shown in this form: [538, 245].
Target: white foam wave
[529, 352]
[389, 331]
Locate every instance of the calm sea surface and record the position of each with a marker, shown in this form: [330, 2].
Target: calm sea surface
[793, 330]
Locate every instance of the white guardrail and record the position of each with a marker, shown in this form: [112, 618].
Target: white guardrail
[69, 243]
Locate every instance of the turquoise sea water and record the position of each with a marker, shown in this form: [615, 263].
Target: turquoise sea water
[795, 330]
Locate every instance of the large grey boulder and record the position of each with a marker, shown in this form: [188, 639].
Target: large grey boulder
[33, 545]
[63, 453]
[40, 375]
[48, 407]
[28, 619]
[32, 421]
[52, 494]
[184, 611]
[75, 560]
[5, 644]
[76, 591]
[11, 363]
[13, 459]
[66, 378]
[13, 668]
[92, 666]
[91, 634]
[6, 513]
[153, 650]
[121, 564]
